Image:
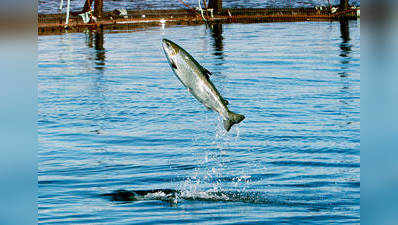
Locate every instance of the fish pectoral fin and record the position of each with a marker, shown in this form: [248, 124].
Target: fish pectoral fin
[172, 63]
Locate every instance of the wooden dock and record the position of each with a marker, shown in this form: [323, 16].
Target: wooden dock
[55, 23]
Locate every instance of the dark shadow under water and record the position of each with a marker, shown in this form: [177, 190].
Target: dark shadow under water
[176, 196]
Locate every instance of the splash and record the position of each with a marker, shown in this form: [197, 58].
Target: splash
[214, 172]
[175, 197]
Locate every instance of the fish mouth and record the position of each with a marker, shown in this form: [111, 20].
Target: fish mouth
[166, 41]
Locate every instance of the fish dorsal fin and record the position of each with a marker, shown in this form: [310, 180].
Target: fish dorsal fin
[206, 72]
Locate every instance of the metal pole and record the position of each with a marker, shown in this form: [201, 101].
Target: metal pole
[67, 13]
[98, 5]
[60, 10]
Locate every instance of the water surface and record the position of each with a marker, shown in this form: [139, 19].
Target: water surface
[113, 116]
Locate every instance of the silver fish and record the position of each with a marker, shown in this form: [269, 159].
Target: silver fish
[196, 78]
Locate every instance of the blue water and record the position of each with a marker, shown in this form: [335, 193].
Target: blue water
[114, 117]
[51, 6]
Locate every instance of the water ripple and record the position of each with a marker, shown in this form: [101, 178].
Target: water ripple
[120, 120]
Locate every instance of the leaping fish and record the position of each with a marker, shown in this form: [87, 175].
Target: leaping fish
[196, 79]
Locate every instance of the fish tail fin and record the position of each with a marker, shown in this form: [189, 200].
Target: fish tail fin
[233, 118]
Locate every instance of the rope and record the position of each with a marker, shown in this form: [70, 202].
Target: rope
[201, 11]
[345, 12]
[207, 11]
[189, 7]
